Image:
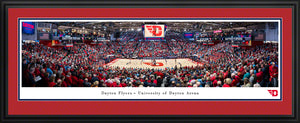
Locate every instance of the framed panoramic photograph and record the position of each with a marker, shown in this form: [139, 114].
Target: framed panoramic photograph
[149, 61]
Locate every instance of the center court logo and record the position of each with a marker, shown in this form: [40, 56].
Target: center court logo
[157, 64]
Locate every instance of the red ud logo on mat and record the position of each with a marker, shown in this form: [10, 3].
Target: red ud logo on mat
[155, 30]
[157, 64]
[274, 93]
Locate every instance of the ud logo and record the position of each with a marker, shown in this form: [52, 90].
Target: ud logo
[157, 64]
[274, 93]
[155, 30]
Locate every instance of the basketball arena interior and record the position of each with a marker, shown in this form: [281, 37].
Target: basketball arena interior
[150, 54]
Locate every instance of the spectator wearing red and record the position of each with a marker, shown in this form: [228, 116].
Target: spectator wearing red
[69, 79]
[52, 81]
[227, 82]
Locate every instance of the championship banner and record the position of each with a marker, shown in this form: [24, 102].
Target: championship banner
[28, 27]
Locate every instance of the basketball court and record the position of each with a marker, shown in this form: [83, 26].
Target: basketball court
[148, 63]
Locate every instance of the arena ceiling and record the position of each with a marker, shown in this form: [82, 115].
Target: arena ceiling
[176, 26]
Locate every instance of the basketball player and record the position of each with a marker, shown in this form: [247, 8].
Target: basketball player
[128, 62]
[166, 61]
[154, 62]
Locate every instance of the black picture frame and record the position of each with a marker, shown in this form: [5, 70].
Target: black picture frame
[294, 4]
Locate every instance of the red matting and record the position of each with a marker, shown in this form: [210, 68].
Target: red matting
[283, 107]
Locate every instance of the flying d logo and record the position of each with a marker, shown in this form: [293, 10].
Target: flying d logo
[157, 64]
[154, 30]
[274, 93]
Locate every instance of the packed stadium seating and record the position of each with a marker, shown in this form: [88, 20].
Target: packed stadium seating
[83, 65]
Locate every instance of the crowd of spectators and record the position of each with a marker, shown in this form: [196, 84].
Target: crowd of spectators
[153, 48]
[84, 65]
